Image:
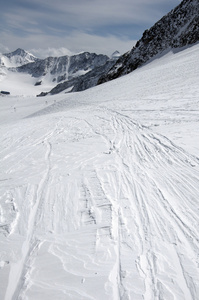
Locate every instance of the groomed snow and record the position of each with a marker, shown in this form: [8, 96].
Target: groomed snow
[99, 190]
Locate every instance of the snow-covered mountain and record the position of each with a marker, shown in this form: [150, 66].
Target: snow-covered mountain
[86, 79]
[178, 28]
[17, 58]
[58, 69]
[51, 71]
[10, 61]
[78, 72]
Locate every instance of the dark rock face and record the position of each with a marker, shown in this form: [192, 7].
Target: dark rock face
[42, 94]
[86, 61]
[64, 67]
[40, 68]
[83, 82]
[4, 93]
[177, 29]
[38, 83]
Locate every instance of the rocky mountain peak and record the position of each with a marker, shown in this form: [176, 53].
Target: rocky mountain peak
[17, 58]
[18, 51]
[115, 55]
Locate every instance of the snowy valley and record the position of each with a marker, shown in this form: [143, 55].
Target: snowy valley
[99, 190]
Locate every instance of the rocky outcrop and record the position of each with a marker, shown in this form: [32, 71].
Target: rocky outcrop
[83, 82]
[178, 28]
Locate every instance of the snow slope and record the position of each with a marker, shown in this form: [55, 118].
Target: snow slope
[21, 84]
[99, 189]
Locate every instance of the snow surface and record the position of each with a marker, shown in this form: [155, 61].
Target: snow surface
[22, 84]
[99, 190]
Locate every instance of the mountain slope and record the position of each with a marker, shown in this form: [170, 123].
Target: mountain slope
[82, 82]
[178, 28]
[99, 189]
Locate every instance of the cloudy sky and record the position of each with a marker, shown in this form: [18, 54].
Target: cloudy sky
[50, 27]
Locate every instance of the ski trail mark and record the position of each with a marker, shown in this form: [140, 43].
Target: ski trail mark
[18, 270]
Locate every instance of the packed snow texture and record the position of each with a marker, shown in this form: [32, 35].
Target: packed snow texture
[99, 190]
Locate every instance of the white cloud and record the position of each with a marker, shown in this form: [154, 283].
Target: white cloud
[76, 42]
[100, 44]
[54, 52]
[92, 13]
[79, 25]
[87, 15]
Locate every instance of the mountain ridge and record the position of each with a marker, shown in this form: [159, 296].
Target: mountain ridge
[64, 67]
[178, 28]
[77, 72]
[51, 71]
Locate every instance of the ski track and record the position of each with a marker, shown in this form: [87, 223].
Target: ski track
[107, 210]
